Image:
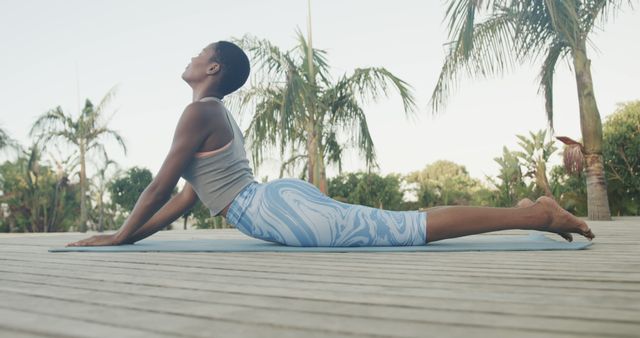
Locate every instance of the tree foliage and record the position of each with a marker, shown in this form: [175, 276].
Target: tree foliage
[446, 183]
[126, 189]
[368, 189]
[308, 118]
[621, 148]
[510, 184]
[570, 190]
[534, 155]
[204, 220]
[493, 36]
[85, 133]
[36, 198]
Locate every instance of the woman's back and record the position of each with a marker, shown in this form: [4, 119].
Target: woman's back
[218, 176]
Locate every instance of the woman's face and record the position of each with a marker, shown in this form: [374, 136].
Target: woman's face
[199, 66]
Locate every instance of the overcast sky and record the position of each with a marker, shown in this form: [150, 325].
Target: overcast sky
[50, 49]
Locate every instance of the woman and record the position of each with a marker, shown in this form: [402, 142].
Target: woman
[208, 151]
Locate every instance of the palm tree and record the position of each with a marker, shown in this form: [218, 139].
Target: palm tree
[519, 31]
[302, 113]
[85, 133]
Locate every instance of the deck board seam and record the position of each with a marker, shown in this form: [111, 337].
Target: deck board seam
[317, 312]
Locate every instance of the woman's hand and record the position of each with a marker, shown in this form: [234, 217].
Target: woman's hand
[97, 240]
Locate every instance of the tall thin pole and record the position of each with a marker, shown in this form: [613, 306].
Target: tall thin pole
[78, 87]
[310, 44]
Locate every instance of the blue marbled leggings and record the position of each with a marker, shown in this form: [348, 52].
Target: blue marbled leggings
[294, 212]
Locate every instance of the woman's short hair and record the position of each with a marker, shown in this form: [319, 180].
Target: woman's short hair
[234, 63]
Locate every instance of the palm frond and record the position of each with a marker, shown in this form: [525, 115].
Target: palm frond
[372, 82]
[555, 52]
[104, 131]
[600, 11]
[267, 57]
[7, 141]
[319, 60]
[291, 162]
[490, 53]
[54, 118]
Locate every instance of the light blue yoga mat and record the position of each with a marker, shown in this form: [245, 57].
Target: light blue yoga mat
[533, 241]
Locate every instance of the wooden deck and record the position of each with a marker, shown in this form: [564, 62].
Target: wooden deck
[586, 293]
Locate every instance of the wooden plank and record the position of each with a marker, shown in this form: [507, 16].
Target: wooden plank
[622, 274]
[343, 323]
[154, 322]
[289, 289]
[369, 281]
[37, 323]
[352, 304]
[240, 261]
[15, 333]
[400, 294]
[489, 303]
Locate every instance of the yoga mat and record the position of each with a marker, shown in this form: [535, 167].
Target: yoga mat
[533, 241]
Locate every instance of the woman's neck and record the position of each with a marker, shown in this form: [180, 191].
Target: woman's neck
[198, 95]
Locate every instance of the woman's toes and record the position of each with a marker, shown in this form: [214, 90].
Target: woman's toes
[588, 234]
[566, 236]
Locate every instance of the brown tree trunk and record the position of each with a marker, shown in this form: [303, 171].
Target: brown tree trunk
[83, 190]
[541, 178]
[322, 184]
[591, 127]
[101, 219]
[312, 151]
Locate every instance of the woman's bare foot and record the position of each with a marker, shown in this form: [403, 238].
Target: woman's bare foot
[563, 222]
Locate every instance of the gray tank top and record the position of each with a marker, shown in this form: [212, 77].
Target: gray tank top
[218, 176]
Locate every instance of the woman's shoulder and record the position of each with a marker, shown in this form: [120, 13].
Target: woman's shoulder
[206, 112]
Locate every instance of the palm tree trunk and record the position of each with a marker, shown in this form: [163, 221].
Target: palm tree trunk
[323, 175]
[591, 127]
[54, 212]
[101, 219]
[541, 178]
[322, 168]
[83, 190]
[312, 152]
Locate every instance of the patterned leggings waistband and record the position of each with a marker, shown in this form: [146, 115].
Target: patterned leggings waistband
[240, 203]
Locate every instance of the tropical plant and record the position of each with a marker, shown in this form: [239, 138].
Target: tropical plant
[621, 133]
[300, 111]
[204, 220]
[85, 133]
[621, 149]
[534, 155]
[370, 189]
[33, 196]
[100, 184]
[569, 189]
[519, 31]
[510, 183]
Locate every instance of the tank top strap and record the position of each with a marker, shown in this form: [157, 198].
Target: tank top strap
[211, 98]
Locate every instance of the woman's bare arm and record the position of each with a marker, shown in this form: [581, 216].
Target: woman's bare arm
[191, 131]
[172, 210]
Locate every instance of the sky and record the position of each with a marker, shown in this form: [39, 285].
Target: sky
[57, 53]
